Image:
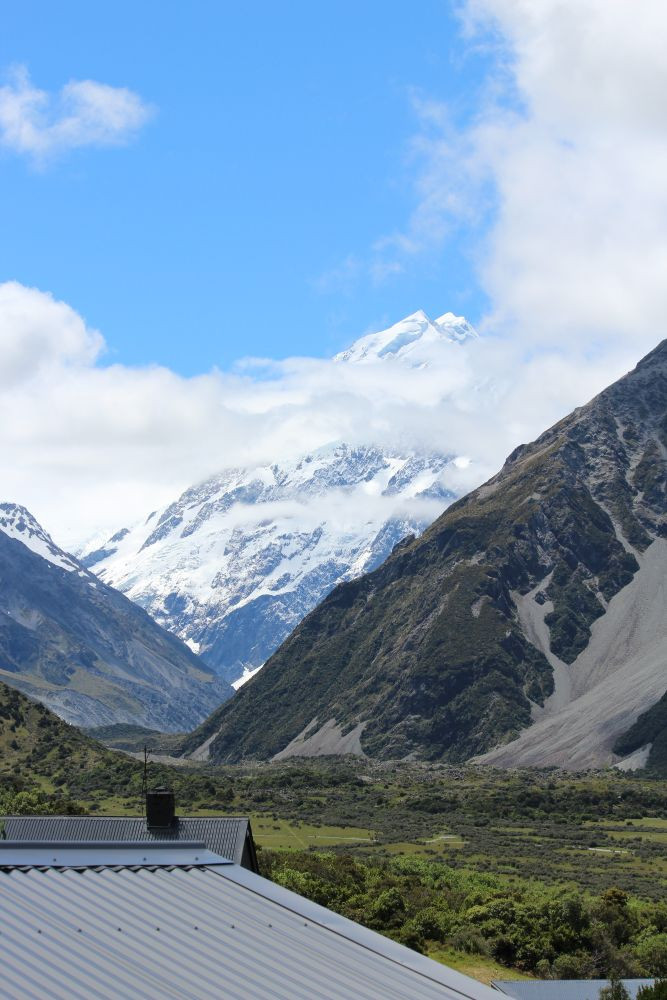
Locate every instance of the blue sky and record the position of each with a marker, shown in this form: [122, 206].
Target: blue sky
[238, 220]
[210, 181]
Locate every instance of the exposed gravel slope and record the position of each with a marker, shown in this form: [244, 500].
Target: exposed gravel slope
[621, 673]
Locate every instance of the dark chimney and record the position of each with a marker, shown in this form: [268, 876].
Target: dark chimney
[160, 809]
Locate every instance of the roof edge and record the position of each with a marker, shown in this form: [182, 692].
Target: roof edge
[107, 854]
[103, 816]
[466, 987]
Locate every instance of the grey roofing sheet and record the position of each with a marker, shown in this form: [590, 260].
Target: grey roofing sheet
[562, 989]
[224, 835]
[203, 933]
[97, 854]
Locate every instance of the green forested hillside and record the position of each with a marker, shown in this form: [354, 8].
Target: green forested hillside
[40, 755]
[473, 919]
[47, 765]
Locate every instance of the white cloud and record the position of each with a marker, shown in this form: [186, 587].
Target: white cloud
[438, 151]
[84, 113]
[571, 141]
[557, 181]
[37, 332]
[87, 446]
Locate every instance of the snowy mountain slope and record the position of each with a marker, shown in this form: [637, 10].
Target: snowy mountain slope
[236, 562]
[410, 340]
[17, 522]
[83, 649]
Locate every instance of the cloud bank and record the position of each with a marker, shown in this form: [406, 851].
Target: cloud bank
[84, 113]
[89, 446]
[579, 247]
[562, 171]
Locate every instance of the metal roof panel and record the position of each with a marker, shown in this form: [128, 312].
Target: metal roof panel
[562, 989]
[224, 835]
[95, 854]
[197, 932]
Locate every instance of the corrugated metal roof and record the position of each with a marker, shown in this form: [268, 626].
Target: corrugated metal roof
[36, 854]
[224, 835]
[563, 989]
[201, 933]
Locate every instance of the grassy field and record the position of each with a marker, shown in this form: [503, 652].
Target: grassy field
[280, 835]
[437, 848]
[479, 967]
[590, 831]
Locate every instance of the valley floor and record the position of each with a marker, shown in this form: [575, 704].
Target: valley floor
[465, 859]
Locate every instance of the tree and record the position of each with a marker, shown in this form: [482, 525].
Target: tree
[651, 950]
[615, 991]
[656, 992]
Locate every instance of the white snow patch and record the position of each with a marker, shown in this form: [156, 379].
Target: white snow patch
[245, 676]
[410, 340]
[18, 523]
[292, 532]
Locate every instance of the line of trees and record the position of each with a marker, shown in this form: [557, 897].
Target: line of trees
[548, 931]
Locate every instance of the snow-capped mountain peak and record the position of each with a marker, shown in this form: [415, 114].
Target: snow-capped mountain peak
[409, 340]
[17, 522]
[237, 561]
[234, 564]
[456, 328]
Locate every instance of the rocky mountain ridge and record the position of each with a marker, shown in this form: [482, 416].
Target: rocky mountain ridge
[527, 624]
[17, 522]
[83, 649]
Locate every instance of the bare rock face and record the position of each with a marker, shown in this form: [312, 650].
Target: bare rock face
[527, 624]
[84, 650]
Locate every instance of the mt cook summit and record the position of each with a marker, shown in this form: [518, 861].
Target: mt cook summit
[237, 561]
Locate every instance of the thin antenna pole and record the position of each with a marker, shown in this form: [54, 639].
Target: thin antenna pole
[144, 782]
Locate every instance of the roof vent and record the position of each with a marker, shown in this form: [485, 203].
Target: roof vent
[160, 809]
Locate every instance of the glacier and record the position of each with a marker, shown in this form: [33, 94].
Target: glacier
[237, 561]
